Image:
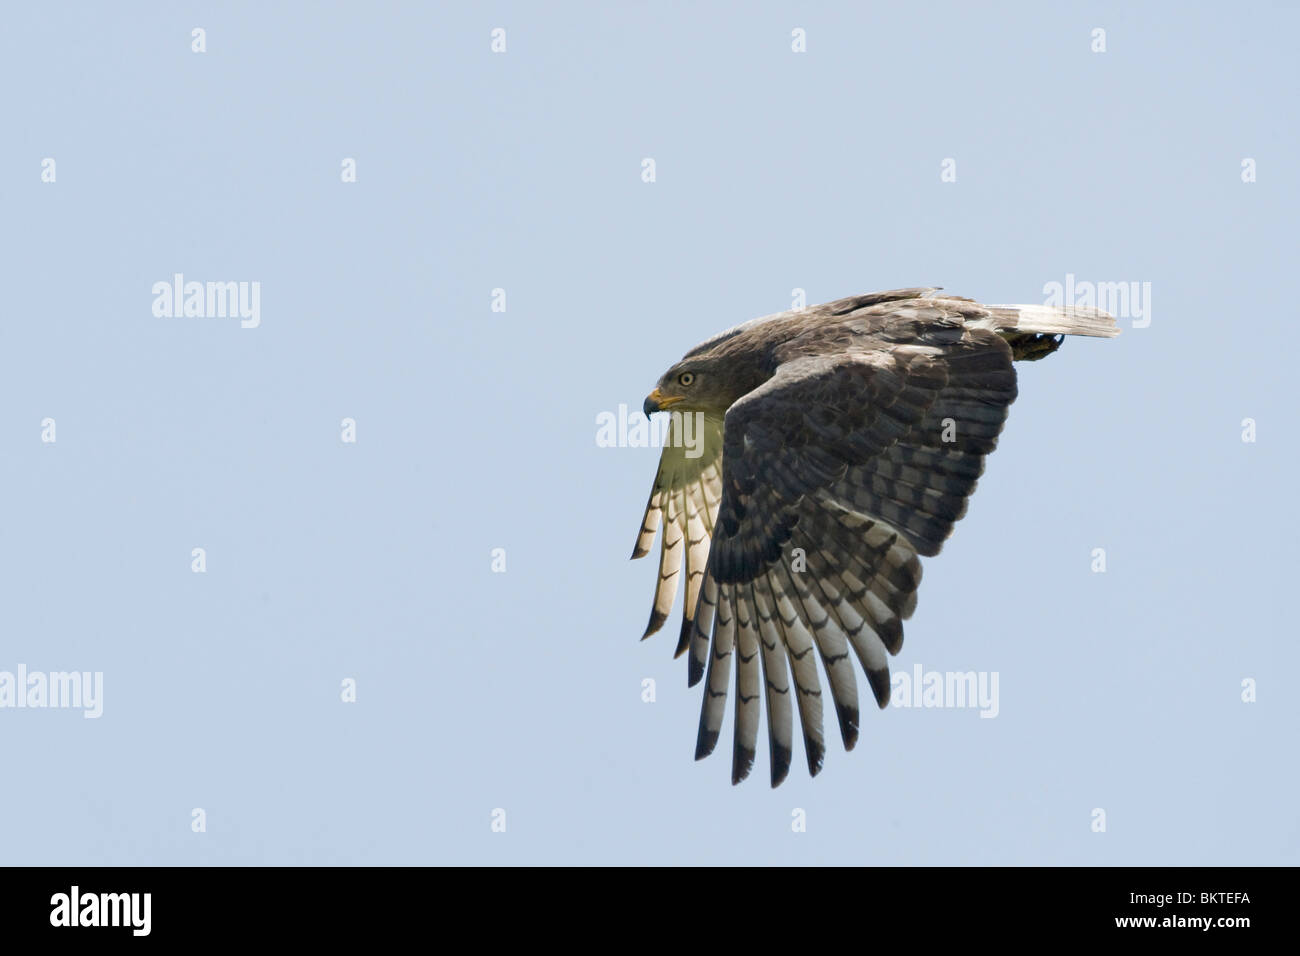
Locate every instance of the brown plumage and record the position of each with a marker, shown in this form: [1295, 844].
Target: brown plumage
[839, 443]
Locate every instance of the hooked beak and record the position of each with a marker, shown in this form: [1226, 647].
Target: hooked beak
[656, 401]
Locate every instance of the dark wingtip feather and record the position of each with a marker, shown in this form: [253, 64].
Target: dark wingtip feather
[694, 671]
[656, 621]
[742, 762]
[781, 759]
[705, 742]
[816, 756]
[849, 726]
[684, 638]
[891, 634]
[879, 681]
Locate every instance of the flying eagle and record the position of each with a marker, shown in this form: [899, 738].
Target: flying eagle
[834, 445]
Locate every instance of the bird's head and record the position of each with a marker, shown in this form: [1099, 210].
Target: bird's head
[693, 385]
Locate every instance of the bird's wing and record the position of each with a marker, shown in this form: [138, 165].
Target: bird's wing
[684, 499]
[836, 473]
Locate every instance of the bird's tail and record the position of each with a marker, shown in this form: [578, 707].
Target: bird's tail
[1035, 331]
[1053, 320]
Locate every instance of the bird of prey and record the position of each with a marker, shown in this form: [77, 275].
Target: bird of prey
[835, 444]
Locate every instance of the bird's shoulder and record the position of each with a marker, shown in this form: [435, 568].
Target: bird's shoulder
[827, 324]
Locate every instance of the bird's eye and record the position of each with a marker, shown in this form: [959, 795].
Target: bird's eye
[686, 378]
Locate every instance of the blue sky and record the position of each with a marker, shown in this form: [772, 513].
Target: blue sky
[371, 561]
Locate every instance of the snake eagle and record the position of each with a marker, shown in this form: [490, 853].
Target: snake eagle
[837, 443]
